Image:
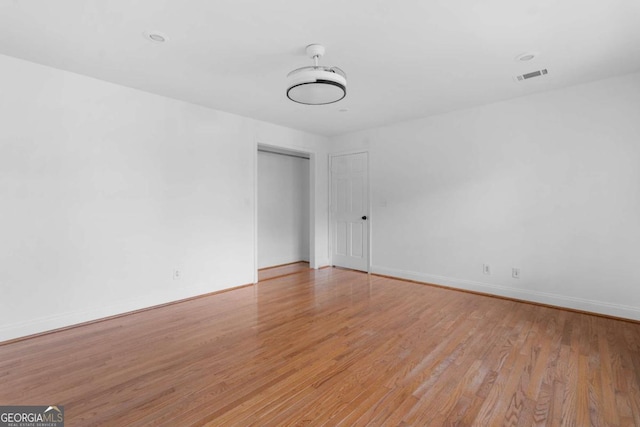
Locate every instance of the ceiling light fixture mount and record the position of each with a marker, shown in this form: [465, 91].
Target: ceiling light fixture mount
[317, 84]
[155, 36]
[527, 56]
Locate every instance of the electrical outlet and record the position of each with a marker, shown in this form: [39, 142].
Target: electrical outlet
[177, 274]
[515, 273]
[486, 269]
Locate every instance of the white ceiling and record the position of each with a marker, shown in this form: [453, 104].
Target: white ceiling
[404, 59]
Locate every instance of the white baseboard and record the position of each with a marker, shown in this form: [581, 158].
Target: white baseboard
[321, 262]
[48, 323]
[600, 307]
[70, 318]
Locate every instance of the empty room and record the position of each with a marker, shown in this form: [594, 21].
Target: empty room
[269, 213]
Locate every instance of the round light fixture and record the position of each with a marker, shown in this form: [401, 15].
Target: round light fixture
[155, 36]
[316, 85]
[527, 56]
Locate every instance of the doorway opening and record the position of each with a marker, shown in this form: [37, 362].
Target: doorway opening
[284, 201]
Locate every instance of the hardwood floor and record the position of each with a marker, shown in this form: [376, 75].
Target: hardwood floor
[335, 347]
[281, 270]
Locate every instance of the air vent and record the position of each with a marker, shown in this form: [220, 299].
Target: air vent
[531, 75]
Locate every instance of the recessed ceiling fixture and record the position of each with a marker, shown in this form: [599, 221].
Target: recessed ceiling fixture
[527, 56]
[155, 36]
[317, 84]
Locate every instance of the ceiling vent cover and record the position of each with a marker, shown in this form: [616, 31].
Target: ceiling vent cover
[531, 75]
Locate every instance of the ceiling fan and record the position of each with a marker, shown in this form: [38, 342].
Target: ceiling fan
[316, 84]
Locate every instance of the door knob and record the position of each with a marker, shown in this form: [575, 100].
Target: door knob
[364, 217]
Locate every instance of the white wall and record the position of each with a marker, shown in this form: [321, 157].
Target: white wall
[283, 209]
[104, 190]
[548, 183]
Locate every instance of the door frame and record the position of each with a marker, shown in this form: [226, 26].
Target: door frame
[369, 216]
[313, 262]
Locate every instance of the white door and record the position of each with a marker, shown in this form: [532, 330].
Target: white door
[349, 211]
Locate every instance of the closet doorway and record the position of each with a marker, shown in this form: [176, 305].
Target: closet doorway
[283, 210]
